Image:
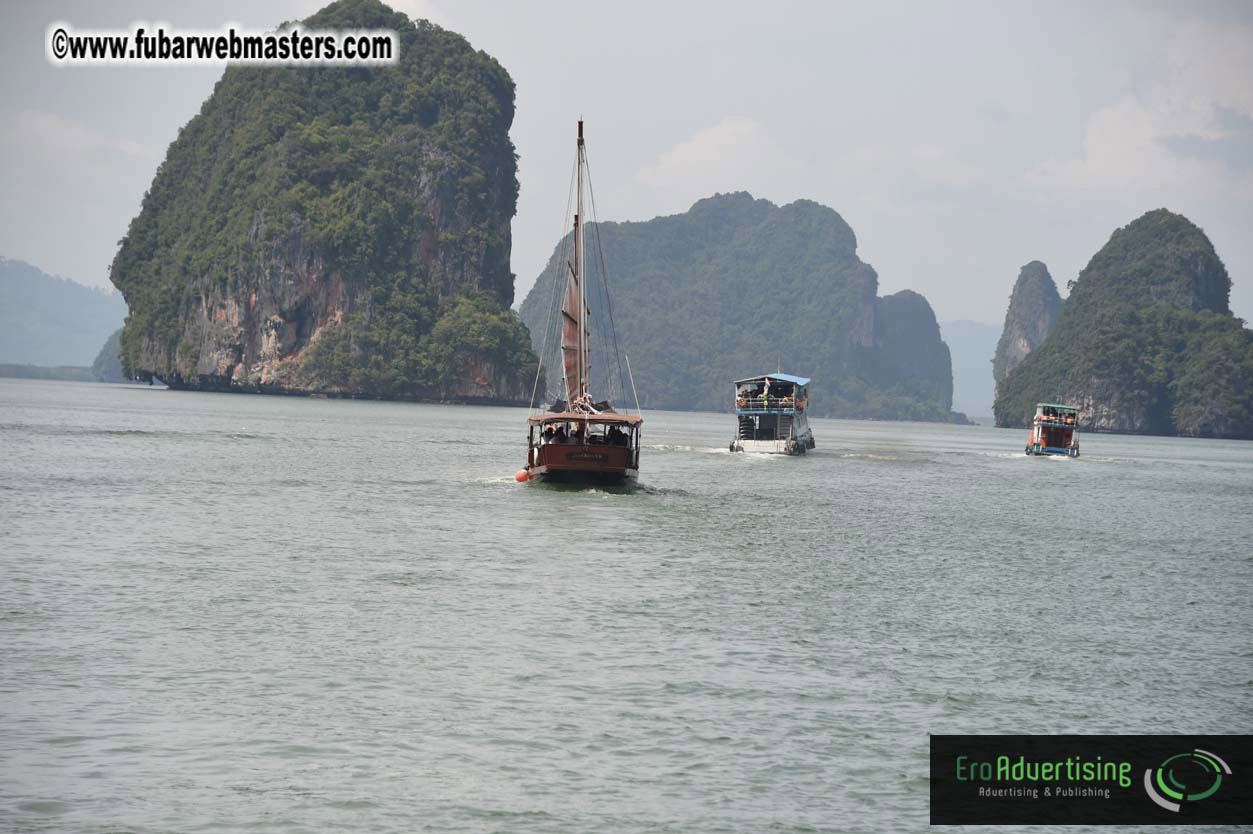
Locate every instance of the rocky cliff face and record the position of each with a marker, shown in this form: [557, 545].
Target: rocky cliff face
[322, 229]
[737, 286]
[1033, 309]
[909, 358]
[1145, 342]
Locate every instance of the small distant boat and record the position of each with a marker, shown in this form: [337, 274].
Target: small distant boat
[770, 414]
[580, 440]
[1054, 430]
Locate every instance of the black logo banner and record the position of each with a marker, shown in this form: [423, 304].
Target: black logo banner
[1091, 780]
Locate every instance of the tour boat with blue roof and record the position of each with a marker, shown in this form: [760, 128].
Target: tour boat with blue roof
[1054, 430]
[771, 415]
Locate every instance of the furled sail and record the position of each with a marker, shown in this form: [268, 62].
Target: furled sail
[575, 332]
[571, 345]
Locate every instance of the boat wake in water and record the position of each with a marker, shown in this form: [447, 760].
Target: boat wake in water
[678, 447]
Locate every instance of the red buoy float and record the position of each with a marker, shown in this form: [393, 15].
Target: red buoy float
[522, 476]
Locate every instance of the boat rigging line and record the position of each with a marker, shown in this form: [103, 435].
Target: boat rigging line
[604, 281]
[552, 304]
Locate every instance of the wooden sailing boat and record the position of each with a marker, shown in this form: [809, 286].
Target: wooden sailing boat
[580, 439]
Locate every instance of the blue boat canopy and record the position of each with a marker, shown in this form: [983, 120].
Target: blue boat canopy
[795, 380]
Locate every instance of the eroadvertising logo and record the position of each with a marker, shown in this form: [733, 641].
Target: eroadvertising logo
[1093, 780]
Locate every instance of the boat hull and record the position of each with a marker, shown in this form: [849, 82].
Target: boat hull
[584, 477]
[574, 463]
[1067, 452]
[786, 446]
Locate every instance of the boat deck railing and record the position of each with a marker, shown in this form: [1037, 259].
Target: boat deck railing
[755, 404]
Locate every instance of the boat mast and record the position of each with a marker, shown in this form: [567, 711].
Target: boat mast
[578, 260]
[575, 330]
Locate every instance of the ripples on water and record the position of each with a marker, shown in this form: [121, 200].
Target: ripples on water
[229, 612]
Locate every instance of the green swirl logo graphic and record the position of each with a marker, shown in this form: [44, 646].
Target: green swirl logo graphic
[1185, 777]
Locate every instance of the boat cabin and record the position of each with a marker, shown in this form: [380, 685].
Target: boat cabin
[770, 414]
[577, 445]
[1054, 430]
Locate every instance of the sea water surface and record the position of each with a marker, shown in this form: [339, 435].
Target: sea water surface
[229, 613]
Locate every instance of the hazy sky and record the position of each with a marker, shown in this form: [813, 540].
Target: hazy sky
[958, 140]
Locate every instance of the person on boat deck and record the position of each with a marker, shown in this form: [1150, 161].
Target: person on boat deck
[559, 436]
[548, 434]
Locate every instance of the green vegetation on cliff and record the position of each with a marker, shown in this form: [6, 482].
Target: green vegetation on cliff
[364, 207]
[1145, 341]
[736, 287]
[471, 326]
